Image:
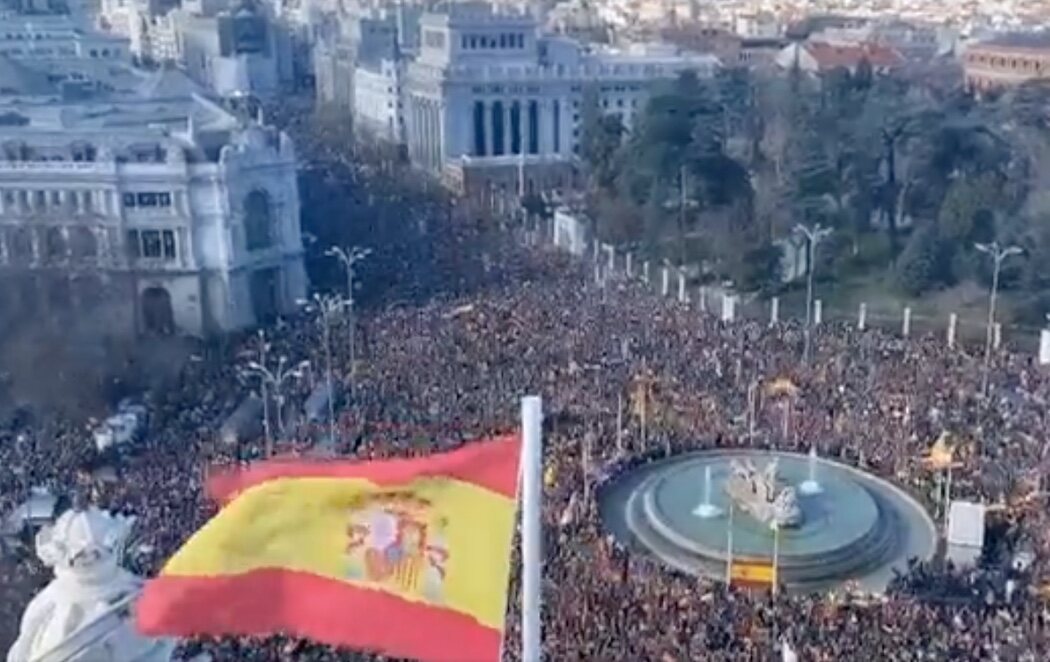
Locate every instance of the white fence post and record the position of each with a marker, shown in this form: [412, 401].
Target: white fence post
[665, 287]
[818, 312]
[953, 322]
[728, 307]
[1044, 347]
[997, 335]
[862, 317]
[611, 252]
[629, 266]
[906, 323]
[645, 272]
[774, 311]
[703, 298]
[682, 297]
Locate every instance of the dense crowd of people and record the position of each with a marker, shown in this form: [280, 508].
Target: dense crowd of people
[434, 375]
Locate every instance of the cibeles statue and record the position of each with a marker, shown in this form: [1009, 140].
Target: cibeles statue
[84, 614]
[760, 494]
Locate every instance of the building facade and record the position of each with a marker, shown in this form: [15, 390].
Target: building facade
[1006, 62]
[489, 92]
[163, 214]
[231, 52]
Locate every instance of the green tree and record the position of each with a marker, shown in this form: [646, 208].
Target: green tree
[600, 140]
[920, 266]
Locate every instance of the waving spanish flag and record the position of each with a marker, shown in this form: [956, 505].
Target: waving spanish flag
[408, 558]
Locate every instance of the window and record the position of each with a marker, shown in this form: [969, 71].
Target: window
[146, 199]
[39, 199]
[56, 199]
[164, 199]
[151, 244]
[258, 221]
[129, 199]
[132, 244]
[168, 239]
[434, 39]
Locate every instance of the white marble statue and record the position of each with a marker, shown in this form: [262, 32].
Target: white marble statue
[84, 614]
[760, 493]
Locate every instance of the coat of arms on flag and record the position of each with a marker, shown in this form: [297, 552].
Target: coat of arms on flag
[396, 543]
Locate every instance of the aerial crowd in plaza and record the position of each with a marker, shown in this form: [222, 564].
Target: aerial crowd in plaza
[531, 320]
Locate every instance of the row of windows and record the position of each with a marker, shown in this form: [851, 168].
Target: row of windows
[1027, 64]
[151, 244]
[44, 201]
[147, 199]
[472, 42]
[54, 243]
[39, 52]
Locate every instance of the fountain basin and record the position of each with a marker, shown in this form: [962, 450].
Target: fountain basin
[858, 527]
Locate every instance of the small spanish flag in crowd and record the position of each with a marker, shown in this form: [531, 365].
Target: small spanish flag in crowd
[408, 557]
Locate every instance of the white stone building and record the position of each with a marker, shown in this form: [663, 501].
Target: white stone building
[161, 211]
[378, 102]
[56, 36]
[489, 93]
[232, 52]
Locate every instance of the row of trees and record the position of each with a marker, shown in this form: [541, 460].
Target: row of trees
[910, 171]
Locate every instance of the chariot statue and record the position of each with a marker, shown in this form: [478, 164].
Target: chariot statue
[761, 494]
[84, 614]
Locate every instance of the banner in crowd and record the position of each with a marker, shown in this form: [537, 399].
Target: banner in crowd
[752, 573]
[408, 557]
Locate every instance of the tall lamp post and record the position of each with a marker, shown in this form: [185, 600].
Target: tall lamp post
[349, 258]
[998, 254]
[327, 306]
[813, 236]
[273, 381]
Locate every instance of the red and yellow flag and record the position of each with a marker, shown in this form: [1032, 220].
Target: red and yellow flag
[409, 558]
[752, 573]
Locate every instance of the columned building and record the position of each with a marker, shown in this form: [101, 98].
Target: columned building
[1006, 61]
[491, 102]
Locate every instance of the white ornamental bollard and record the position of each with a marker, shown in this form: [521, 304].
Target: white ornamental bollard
[682, 297]
[953, 323]
[665, 287]
[703, 298]
[818, 312]
[862, 317]
[645, 272]
[611, 253]
[774, 311]
[629, 265]
[997, 335]
[906, 323]
[1044, 347]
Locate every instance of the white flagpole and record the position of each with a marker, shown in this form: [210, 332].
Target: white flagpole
[531, 523]
[947, 497]
[619, 422]
[729, 547]
[776, 556]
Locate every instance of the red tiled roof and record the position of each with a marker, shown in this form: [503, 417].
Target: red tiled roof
[831, 56]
